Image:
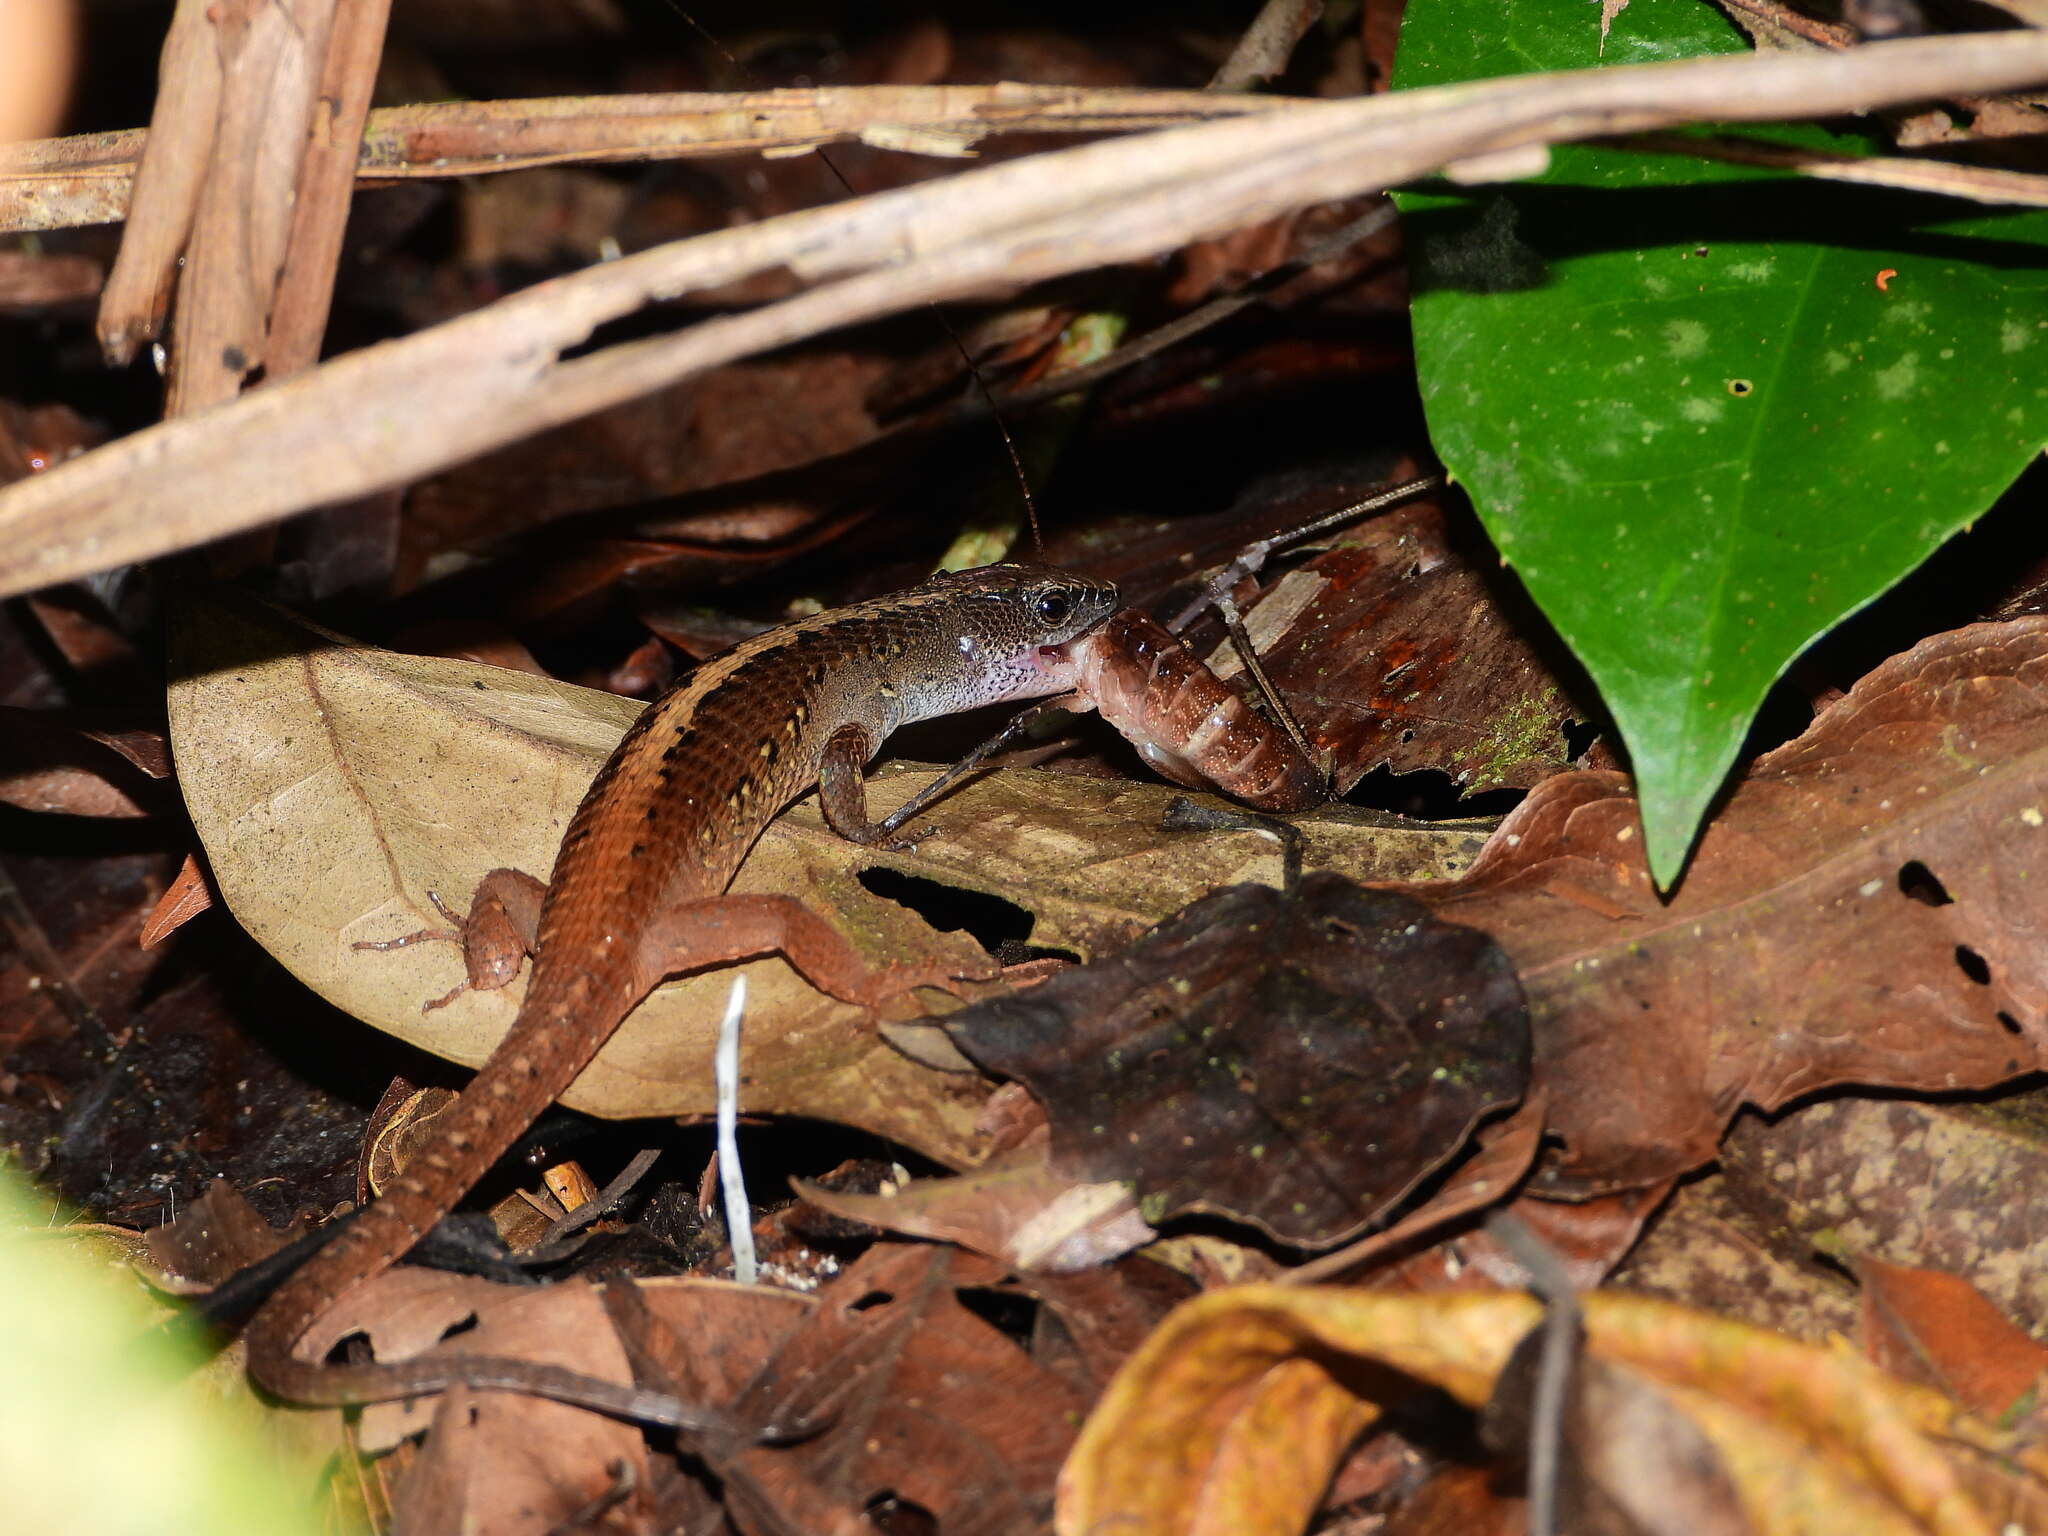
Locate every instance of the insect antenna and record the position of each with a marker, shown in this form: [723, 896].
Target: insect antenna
[981, 384]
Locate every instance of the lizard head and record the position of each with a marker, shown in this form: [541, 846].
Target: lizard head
[1033, 605]
[1003, 624]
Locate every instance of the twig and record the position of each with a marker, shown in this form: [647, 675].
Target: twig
[1251, 560]
[326, 180]
[1563, 1329]
[85, 179]
[1268, 43]
[1979, 183]
[167, 182]
[1185, 815]
[570, 1223]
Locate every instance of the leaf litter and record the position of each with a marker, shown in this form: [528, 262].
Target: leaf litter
[1791, 855]
[1840, 940]
[1861, 911]
[1934, 743]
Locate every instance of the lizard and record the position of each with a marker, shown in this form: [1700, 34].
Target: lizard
[638, 893]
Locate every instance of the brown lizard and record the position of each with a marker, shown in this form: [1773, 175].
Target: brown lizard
[638, 893]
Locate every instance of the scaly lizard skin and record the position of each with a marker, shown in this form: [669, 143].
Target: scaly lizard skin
[638, 894]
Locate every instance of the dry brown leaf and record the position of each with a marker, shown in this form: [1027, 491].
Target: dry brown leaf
[188, 895]
[929, 1405]
[505, 1462]
[1394, 649]
[1233, 1414]
[1013, 1207]
[1867, 908]
[1940, 1330]
[213, 1237]
[53, 767]
[1093, 1320]
[334, 787]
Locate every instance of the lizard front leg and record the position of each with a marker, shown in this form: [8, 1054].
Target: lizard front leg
[843, 795]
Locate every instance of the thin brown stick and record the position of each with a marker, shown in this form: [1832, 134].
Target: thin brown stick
[1268, 43]
[167, 181]
[326, 181]
[1978, 183]
[57, 183]
[392, 413]
[270, 55]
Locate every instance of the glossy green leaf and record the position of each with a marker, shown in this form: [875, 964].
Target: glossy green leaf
[1695, 413]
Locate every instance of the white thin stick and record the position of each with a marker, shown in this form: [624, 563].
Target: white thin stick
[725, 1067]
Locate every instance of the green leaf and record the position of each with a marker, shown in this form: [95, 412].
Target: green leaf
[1689, 414]
[104, 1428]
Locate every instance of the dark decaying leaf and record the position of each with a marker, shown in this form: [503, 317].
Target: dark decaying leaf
[1299, 1062]
[513, 1464]
[1869, 907]
[1400, 653]
[214, 1236]
[925, 1407]
[1631, 1462]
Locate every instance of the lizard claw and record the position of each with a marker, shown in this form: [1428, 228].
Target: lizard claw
[906, 842]
[451, 934]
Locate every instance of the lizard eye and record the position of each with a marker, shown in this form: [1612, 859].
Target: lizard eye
[1053, 606]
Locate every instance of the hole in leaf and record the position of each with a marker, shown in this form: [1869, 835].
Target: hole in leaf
[1579, 736]
[1016, 1316]
[989, 920]
[871, 1300]
[2011, 1024]
[888, 1511]
[1428, 795]
[1917, 881]
[1973, 965]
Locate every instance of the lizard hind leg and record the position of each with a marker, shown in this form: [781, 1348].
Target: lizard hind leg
[721, 929]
